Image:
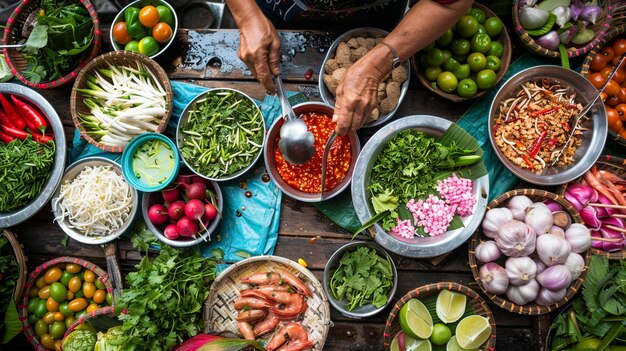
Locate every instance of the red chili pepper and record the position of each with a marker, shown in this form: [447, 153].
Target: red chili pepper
[543, 112]
[566, 126]
[573, 106]
[513, 120]
[552, 142]
[30, 113]
[17, 121]
[495, 129]
[14, 132]
[535, 149]
[4, 120]
[30, 125]
[528, 162]
[41, 138]
[6, 138]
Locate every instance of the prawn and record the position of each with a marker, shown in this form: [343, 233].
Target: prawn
[251, 315]
[292, 337]
[266, 325]
[246, 330]
[264, 291]
[251, 302]
[290, 305]
[279, 277]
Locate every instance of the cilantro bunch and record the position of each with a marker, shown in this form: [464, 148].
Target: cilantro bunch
[164, 299]
[363, 277]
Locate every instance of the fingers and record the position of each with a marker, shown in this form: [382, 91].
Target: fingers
[274, 56]
[343, 113]
[263, 74]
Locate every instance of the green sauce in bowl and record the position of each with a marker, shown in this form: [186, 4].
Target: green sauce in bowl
[153, 162]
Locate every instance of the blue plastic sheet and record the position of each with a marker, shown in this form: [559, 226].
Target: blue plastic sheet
[255, 231]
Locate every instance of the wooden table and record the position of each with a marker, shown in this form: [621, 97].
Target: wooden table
[209, 58]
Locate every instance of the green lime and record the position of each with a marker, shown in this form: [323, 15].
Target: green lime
[132, 45]
[452, 345]
[446, 55]
[493, 63]
[450, 305]
[480, 43]
[462, 72]
[472, 331]
[460, 58]
[496, 49]
[446, 38]
[435, 57]
[481, 29]
[428, 47]
[447, 82]
[441, 334]
[466, 88]
[476, 61]
[415, 320]
[148, 46]
[467, 26]
[486, 79]
[451, 64]
[478, 14]
[460, 46]
[493, 26]
[431, 73]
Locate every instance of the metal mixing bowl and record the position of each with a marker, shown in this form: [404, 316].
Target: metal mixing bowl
[592, 140]
[418, 246]
[332, 264]
[72, 171]
[9, 219]
[271, 143]
[365, 32]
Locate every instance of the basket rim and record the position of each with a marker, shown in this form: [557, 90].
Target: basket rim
[28, 330]
[87, 316]
[434, 288]
[531, 44]
[70, 76]
[615, 162]
[530, 308]
[505, 39]
[131, 56]
[20, 258]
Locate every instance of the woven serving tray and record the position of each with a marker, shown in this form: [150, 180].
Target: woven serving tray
[219, 313]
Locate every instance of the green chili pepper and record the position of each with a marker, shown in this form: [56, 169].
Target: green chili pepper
[135, 29]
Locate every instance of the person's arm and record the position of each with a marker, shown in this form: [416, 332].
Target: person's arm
[425, 22]
[259, 46]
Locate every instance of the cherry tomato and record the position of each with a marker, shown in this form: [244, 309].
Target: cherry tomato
[47, 341]
[52, 275]
[613, 88]
[40, 328]
[620, 76]
[40, 283]
[100, 295]
[162, 32]
[597, 80]
[89, 289]
[614, 121]
[32, 292]
[58, 292]
[622, 95]
[149, 16]
[615, 61]
[598, 62]
[73, 267]
[74, 284]
[48, 318]
[57, 329]
[70, 296]
[621, 111]
[51, 305]
[619, 47]
[58, 316]
[120, 35]
[606, 72]
[58, 345]
[44, 293]
[92, 307]
[612, 100]
[78, 304]
[608, 52]
[89, 276]
[603, 96]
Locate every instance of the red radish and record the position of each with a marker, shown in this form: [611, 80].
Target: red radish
[198, 179]
[157, 214]
[194, 209]
[170, 195]
[210, 212]
[196, 190]
[171, 232]
[186, 227]
[176, 210]
[183, 179]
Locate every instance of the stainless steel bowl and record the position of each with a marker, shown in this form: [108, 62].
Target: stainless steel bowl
[9, 219]
[270, 165]
[150, 199]
[365, 32]
[593, 139]
[183, 121]
[70, 173]
[138, 4]
[341, 306]
[416, 247]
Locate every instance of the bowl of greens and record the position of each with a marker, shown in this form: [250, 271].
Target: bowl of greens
[360, 279]
[220, 134]
[421, 185]
[59, 37]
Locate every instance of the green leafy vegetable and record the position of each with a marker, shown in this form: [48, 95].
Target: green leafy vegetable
[141, 237]
[363, 277]
[164, 299]
[10, 325]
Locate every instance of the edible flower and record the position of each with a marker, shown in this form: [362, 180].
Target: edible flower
[403, 229]
[434, 214]
[458, 192]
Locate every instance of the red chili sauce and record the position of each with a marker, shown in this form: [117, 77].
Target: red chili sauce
[308, 177]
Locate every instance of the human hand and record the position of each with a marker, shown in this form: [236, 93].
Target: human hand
[259, 49]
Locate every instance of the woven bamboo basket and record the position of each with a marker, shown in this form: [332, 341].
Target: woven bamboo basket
[503, 38]
[500, 300]
[615, 32]
[617, 166]
[18, 251]
[13, 34]
[101, 275]
[119, 58]
[479, 305]
[600, 28]
[101, 319]
[219, 313]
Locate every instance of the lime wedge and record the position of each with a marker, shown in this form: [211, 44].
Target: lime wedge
[454, 346]
[473, 331]
[410, 344]
[415, 320]
[450, 306]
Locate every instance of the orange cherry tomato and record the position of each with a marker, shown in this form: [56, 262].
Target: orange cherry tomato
[622, 95]
[615, 61]
[162, 32]
[89, 276]
[613, 119]
[608, 52]
[613, 88]
[101, 295]
[92, 307]
[612, 101]
[606, 71]
[598, 62]
[597, 80]
[621, 111]
[149, 16]
[52, 305]
[120, 35]
[603, 96]
[619, 47]
[620, 76]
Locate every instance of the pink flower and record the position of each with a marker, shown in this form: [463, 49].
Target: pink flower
[403, 229]
[434, 214]
[458, 193]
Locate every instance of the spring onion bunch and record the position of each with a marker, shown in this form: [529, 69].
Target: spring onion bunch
[124, 102]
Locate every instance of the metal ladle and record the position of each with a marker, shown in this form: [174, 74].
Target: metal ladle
[296, 142]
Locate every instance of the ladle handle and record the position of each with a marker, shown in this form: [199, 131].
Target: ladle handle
[12, 46]
[287, 111]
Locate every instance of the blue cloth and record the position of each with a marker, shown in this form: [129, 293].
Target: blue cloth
[253, 233]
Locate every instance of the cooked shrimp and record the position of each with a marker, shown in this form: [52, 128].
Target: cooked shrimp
[266, 325]
[295, 282]
[251, 302]
[296, 346]
[292, 305]
[291, 334]
[246, 330]
[279, 277]
[251, 315]
[264, 291]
